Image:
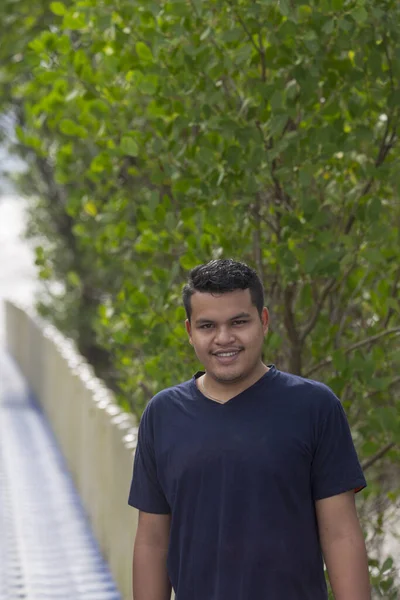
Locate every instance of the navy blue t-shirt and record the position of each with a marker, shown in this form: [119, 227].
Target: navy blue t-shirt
[240, 480]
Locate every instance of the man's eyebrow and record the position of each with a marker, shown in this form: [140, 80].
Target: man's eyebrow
[202, 321]
[242, 315]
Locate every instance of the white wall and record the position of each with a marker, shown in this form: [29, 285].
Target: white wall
[95, 436]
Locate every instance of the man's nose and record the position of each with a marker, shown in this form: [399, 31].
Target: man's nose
[223, 335]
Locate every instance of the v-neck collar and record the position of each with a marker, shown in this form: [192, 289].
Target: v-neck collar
[270, 374]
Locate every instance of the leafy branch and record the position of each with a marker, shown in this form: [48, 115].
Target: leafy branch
[388, 141]
[356, 346]
[244, 26]
[380, 454]
[394, 294]
[291, 328]
[259, 49]
[393, 383]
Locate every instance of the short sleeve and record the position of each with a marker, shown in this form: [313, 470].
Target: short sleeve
[335, 467]
[146, 493]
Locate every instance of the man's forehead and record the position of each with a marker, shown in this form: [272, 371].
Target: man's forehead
[235, 302]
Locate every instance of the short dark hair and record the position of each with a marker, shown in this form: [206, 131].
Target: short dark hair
[221, 276]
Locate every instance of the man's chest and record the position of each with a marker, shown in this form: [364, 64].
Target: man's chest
[238, 450]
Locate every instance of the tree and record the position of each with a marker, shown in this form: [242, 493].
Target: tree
[166, 133]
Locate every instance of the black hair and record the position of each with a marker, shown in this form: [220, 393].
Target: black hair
[221, 276]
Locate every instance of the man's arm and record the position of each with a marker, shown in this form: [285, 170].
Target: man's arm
[343, 547]
[150, 578]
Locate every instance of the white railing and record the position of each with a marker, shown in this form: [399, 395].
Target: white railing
[95, 436]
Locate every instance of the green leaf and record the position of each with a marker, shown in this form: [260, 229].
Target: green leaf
[140, 299]
[388, 564]
[90, 208]
[329, 26]
[58, 8]
[188, 261]
[277, 124]
[284, 7]
[387, 584]
[339, 360]
[359, 14]
[148, 84]
[144, 52]
[45, 273]
[129, 146]
[71, 128]
[304, 12]
[233, 155]
[74, 21]
[73, 279]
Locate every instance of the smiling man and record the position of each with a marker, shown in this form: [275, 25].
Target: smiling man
[244, 476]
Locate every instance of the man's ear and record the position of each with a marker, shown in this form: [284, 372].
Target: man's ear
[189, 330]
[265, 319]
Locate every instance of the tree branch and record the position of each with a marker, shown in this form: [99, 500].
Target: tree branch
[372, 339]
[385, 146]
[391, 311]
[389, 61]
[279, 192]
[244, 26]
[329, 287]
[290, 325]
[346, 311]
[314, 317]
[219, 49]
[262, 56]
[394, 382]
[352, 217]
[270, 224]
[380, 454]
[146, 390]
[360, 344]
[257, 246]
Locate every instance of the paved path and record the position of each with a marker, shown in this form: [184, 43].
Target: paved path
[47, 551]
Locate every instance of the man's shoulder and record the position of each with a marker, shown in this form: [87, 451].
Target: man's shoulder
[300, 382]
[168, 396]
[308, 391]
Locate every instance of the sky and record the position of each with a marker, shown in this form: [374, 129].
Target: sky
[17, 269]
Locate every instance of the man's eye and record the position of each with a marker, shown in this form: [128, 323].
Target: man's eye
[240, 322]
[206, 326]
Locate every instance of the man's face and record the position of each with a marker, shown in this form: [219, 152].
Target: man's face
[227, 334]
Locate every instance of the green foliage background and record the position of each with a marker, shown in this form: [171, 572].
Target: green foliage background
[162, 134]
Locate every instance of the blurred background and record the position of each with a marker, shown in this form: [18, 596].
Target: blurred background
[143, 140]
[18, 276]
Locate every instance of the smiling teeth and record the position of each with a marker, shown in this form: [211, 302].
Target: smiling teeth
[225, 354]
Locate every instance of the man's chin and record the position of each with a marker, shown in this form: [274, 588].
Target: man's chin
[232, 377]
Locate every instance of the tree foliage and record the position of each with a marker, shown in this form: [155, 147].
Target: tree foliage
[161, 134]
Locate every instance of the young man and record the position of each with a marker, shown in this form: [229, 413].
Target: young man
[244, 475]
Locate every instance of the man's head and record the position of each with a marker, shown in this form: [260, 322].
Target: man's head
[226, 320]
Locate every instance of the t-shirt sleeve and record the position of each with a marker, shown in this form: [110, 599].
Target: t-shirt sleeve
[146, 493]
[335, 467]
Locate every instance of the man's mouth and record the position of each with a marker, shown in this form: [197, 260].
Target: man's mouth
[226, 353]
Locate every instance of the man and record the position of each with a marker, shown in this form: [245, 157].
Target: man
[244, 475]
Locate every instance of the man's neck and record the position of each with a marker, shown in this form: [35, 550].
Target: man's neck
[224, 391]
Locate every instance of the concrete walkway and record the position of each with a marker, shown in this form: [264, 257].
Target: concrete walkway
[47, 551]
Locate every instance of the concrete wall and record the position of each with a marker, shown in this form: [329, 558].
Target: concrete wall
[95, 436]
